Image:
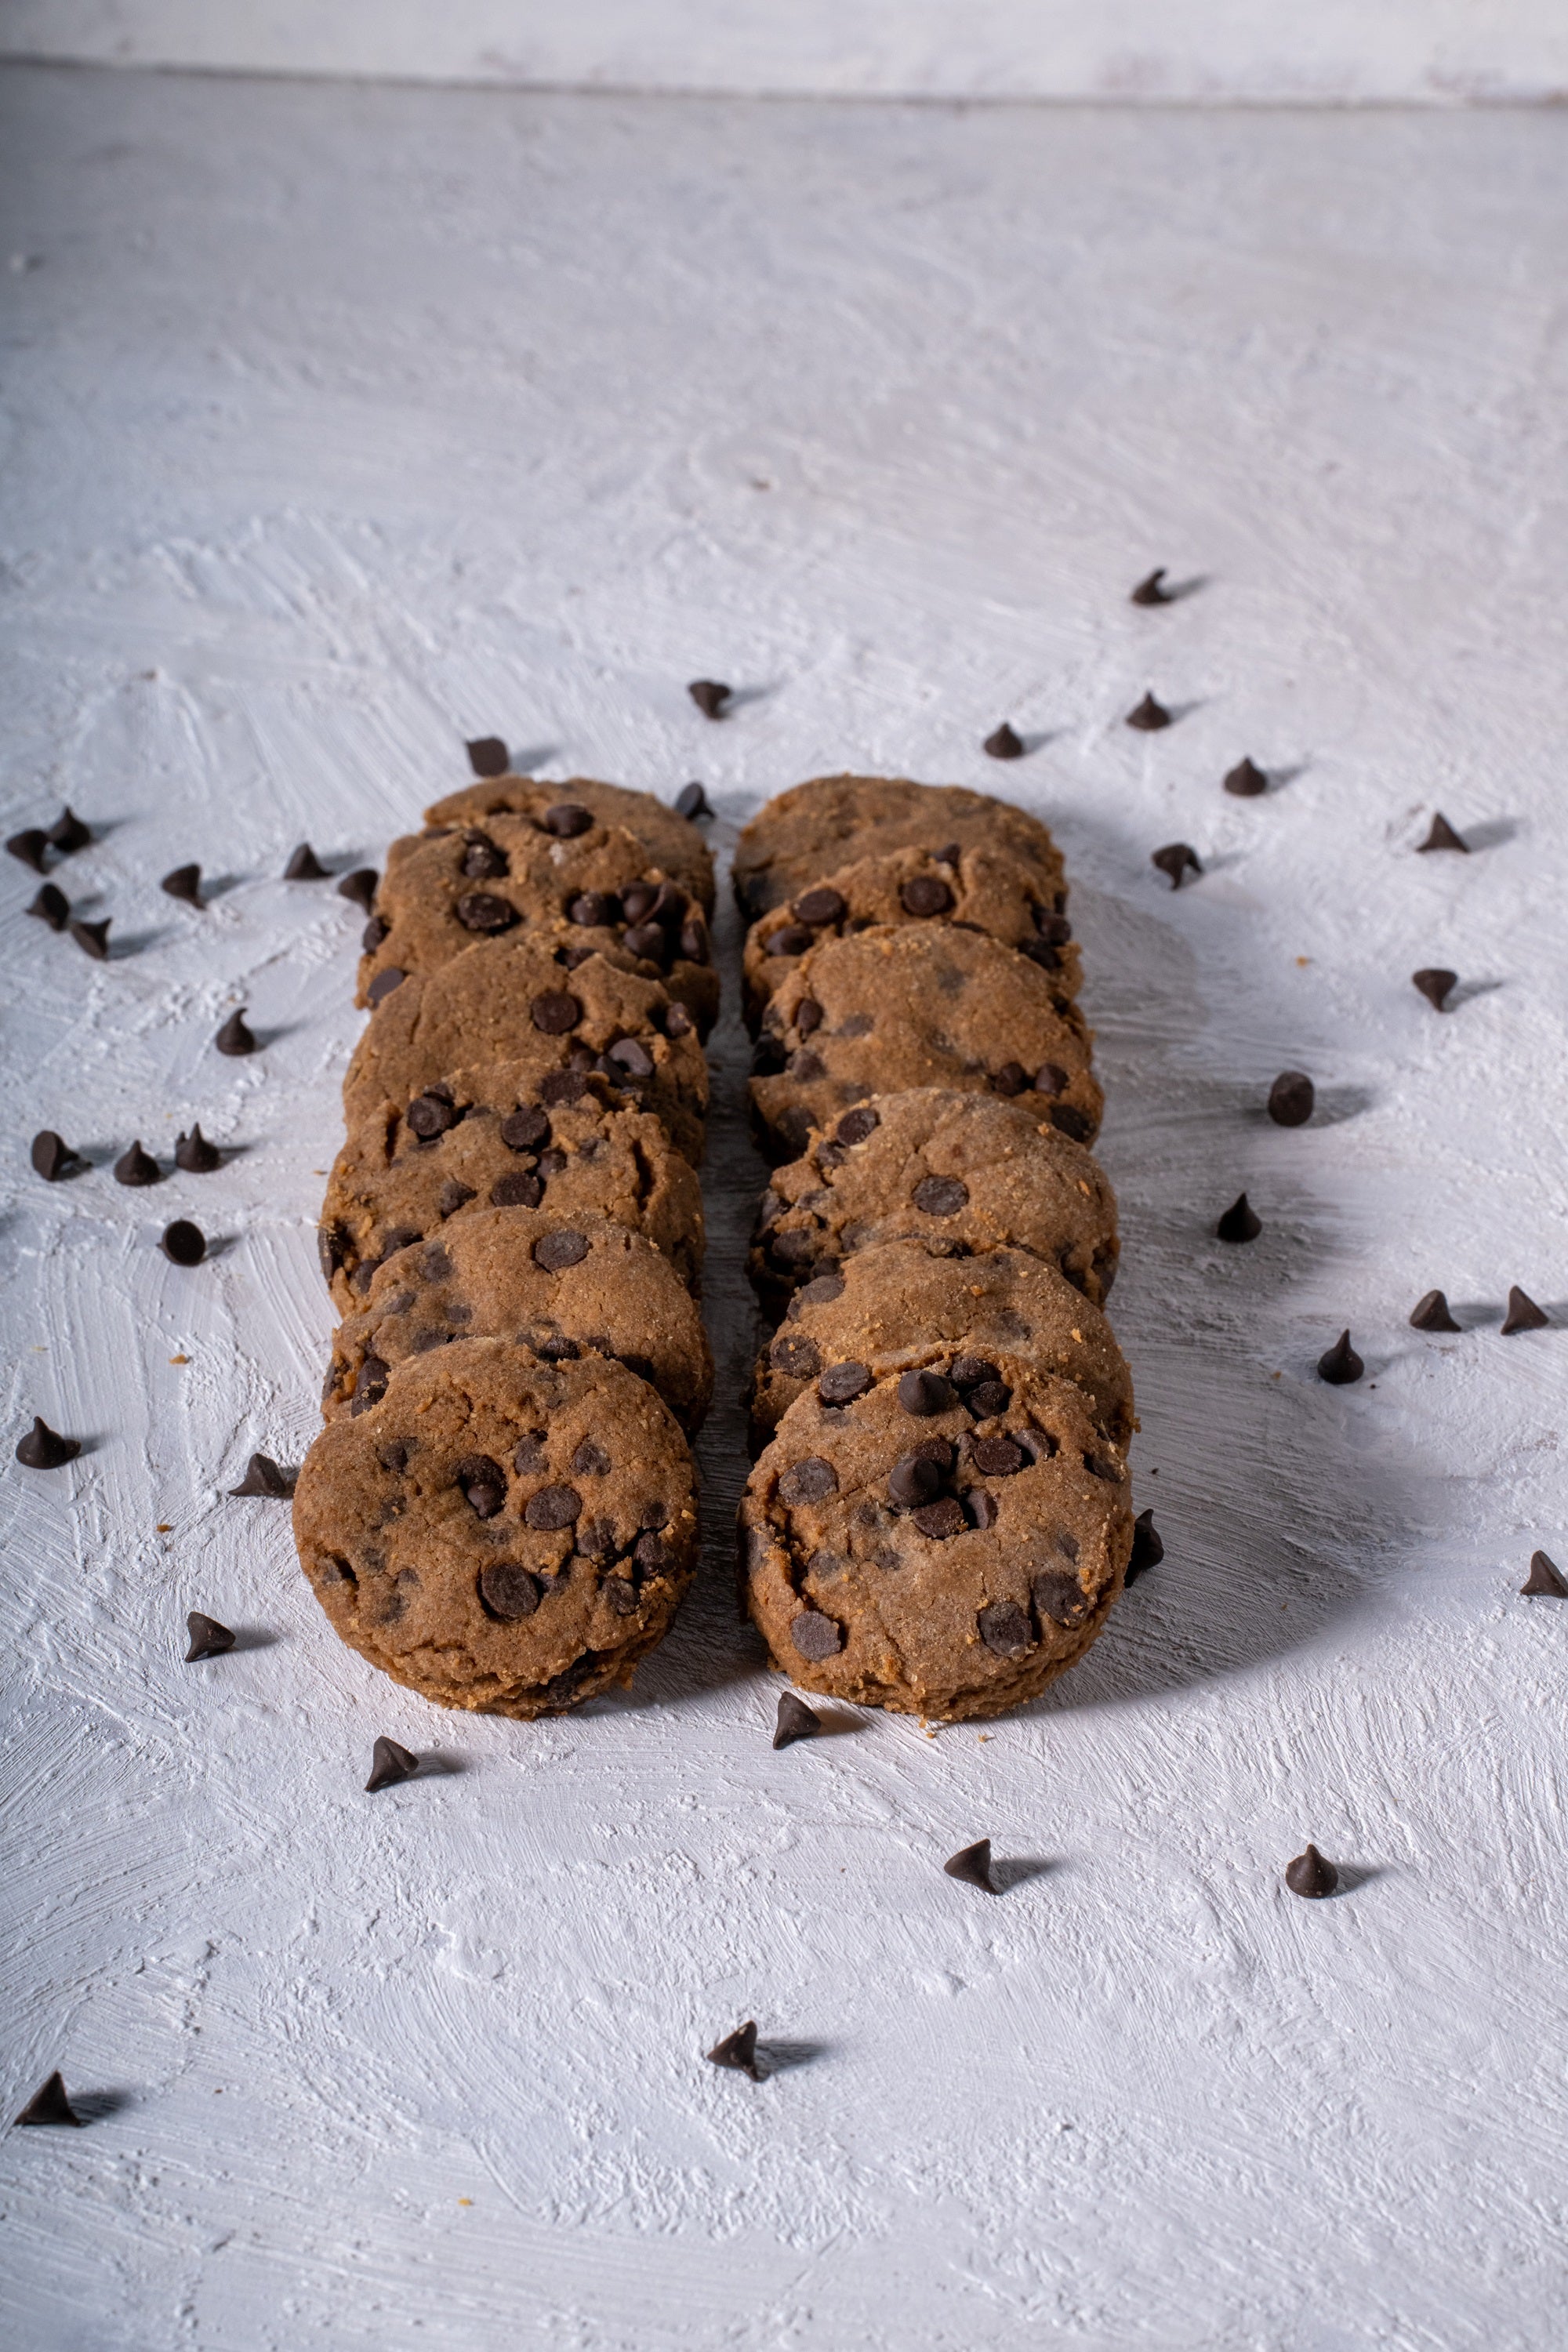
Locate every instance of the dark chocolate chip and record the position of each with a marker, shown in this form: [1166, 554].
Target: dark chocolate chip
[1240, 1221]
[1245, 781]
[390, 1762]
[820, 906]
[632, 1057]
[791, 940]
[208, 1638]
[811, 1480]
[738, 2050]
[452, 1196]
[940, 1520]
[591, 1461]
[1148, 1550]
[1175, 859]
[1005, 1629]
[1523, 1314]
[52, 1156]
[44, 1448]
[857, 1125]
[236, 1037]
[485, 911]
[52, 907]
[529, 1456]
[1290, 1098]
[1435, 984]
[1042, 952]
[184, 882]
[1340, 1365]
[1057, 1596]
[923, 893]
[1545, 1581]
[1004, 744]
[525, 1129]
[1430, 1313]
[555, 1252]
[483, 1483]
[1010, 1080]
[555, 1012]
[1072, 1122]
[695, 946]
[304, 866]
[1148, 715]
[375, 931]
[92, 938]
[30, 847]
[267, 1479]
[370, 1382]
[923, 1393]
[552, 1163]
[971, 1371]
[1442, 836]
[524, 1191]
[678, 1022]
[652, 1555]
[1053, 927]
[981, 1507]
[621, 1595]
[807, 1016]
[482, 859]
[1311, 1876]
[842, 1383]
[645, 940]
[487, 756]
[430, 1115]
[709, 696]
[50, 2105]
[183, 1244]
[561, 1087]
[137, 1167]
[692, 802]
[593, 910]
[814, 1635]
[566, 820]
[940, 1196]
[553, 1507]
[795, 1721]
[996, 1457]
[914, 1479]
[797, 1358]
[358, 886]
[973, 1865]
[820, 1291]
[67, 833]
[638, 901]
[508, 1590]
[988, 1398]
[195, 1154]
[1150, 591]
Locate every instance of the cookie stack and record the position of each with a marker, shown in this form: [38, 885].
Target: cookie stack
[939, 1520]
[501, 1510]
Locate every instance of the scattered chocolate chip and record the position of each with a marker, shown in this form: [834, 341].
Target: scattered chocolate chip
[811, 1480]
[430, 1115]
[137, 1167]
[1290, 1098]
[591, 1461]
[525, 1129]
[553, 1507]
[390, 1763]
[485, 911]
[1057, 1596]
[1245, 781]
[1148, 1550]
[1011, 1078]
[390, 977]
[1311, 1876]
[44, 1448]
[646, 940]
[922, 1394]
[981, 1507]
[1435, 985]
[208, 1638]
[560, 1087]
[814, 1635]
[797, 1358]
[50, 2105]
[184, 882]
[566, 820]
[968, 1372]
[1442, 836]
[820, 906]
[52, 907]
[556, 1252]
[1148, 715]
[482, 1482]
[67, 833]
[1240, 1221]
[593, 910]
[694, 941]
[1004, 744]
[482, 859]
[923, 893]
[808, 1016]
[236, 1037]
[738, 2050]
[988, 1398]
[973, 1865]
[842, 1383]
[183, 1244]
[52, 1156]
[359, 887]
[678, 1022]
[373, 933]
[92, 938]
[1072, 1122]
[819, 1291]
[632, 1057]
[1004, 1628]
[709, 696]
[1545, 1581]
[795, 1721]
[304, 866]
[914, 1479]
[487, 756]
[555, 1012]
[370, 1382]
[692, 802]
[1523, 1314]
[996, 1457]
[1175, 859]
[508, 1590]
[31, 846]
[857, 1125]
[1340, 1365]
[1430, 1313]
[651, 1554]
[940, 1520]
[1150, 591]
[266, 1480]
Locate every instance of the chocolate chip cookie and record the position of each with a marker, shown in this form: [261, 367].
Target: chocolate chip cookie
[513, 1137]
[900, 1551]
[498, 1533]
[893, 1309]
[986, 889]
[597, 890]
[833, 821]
[564, 1287]
[917, 1006]
[959, 1173]
[503, 1001]
[559, 810]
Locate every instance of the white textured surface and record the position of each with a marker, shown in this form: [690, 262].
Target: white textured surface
[339, 425]
[1421, 52]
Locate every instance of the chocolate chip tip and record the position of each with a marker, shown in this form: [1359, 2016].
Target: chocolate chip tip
[1431, 1313]
[738, 2051]
[92, 938]
[971, 1864]
[1436, 985]
[1442, 836]
[184, 883]
[390, 1764]
[236, 1036]
[50, 2105]
[1245, 781]
[1292, 1099]
[1311, 1876]
[1523, 1314]
[1004, 744]
[1151, 589]
[271, 1481]
[304, 866]
[44, 1448]
[1545, 1581]
[692, 803]
[1340, 1365]
[795, 1721]
[1240, 1221]
[709, 696]
[183, 1244]
[1148, 715]
[1147, 1550]
[209, 1639]
[488, 755]
[52, 1156]
[1177, 858]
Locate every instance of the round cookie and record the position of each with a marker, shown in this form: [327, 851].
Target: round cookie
[817, 827]
[916, 1006]
[984, 888]
[671, 841]
[498, 1533]
[598, 890]
[505, 1000]
[563, 1288]
[512, 1137]
[961, 1173]
[897, 1552]
[894, 1308]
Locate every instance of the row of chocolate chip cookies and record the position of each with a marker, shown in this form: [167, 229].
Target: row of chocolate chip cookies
[939, 1518]
[501, 1510]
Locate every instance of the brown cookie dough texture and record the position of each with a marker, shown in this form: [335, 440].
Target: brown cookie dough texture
[900, 1551]
[987, 888]
[834, 821]
[895, 1310]
[513, 1137]
[960, 1174]
[557, 811]
[598, 890]
[504, 1000]
[498, 1533]
[917, 1006]
[565, 1287]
